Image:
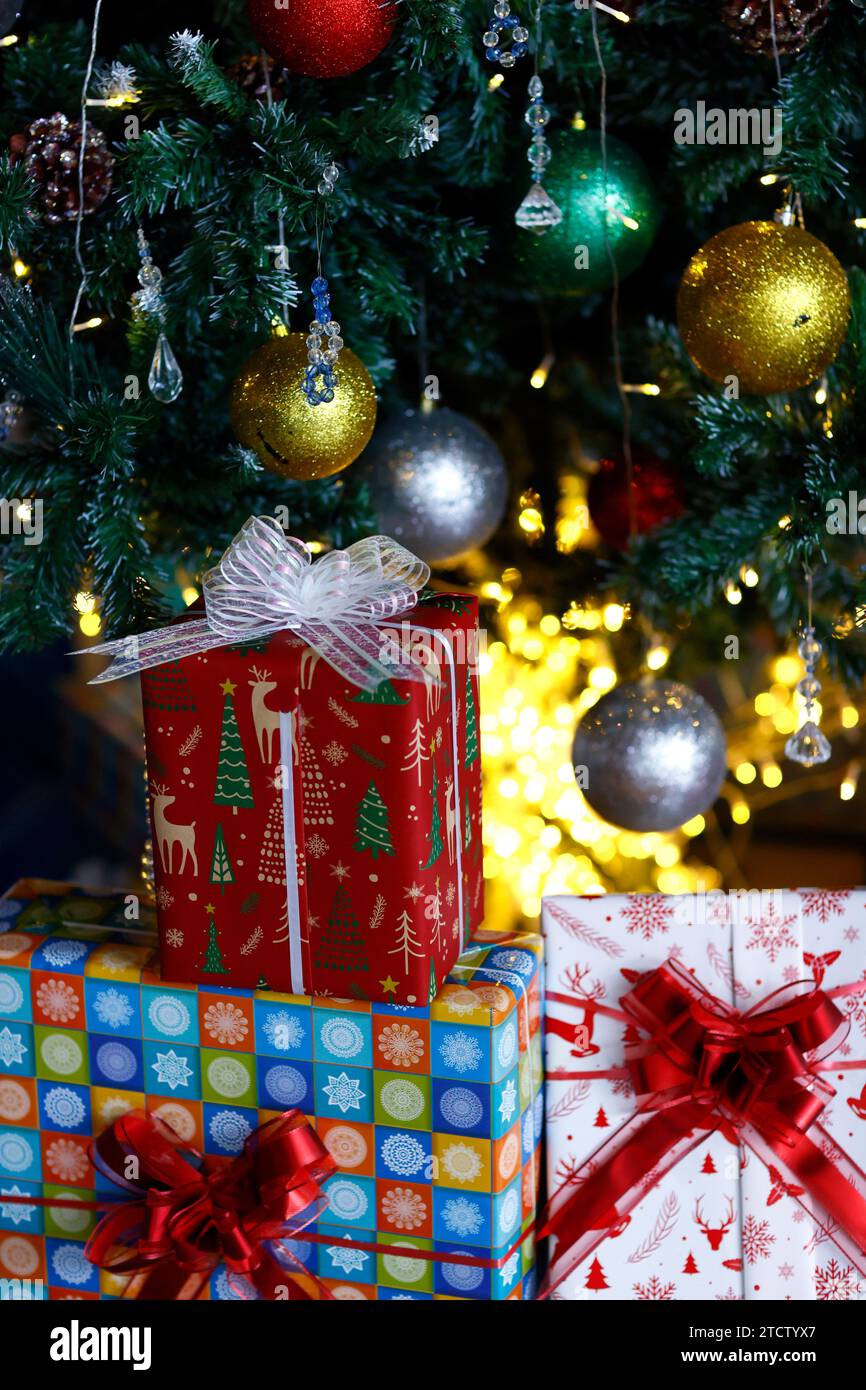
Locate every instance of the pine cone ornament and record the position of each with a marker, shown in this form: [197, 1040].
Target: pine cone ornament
[249, 73]
[796, 22]
[51, 149]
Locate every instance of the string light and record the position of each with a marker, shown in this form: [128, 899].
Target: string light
[788, 669]
[733, 593]
[745, 773]
[771, 774]
[613, 616]
[740, 813]
[784, 522]
[615, 14]
[749, 576]
[8, 40]
[848, 786]
[496, 81]
[643, 388]
[189, 594]
[89, 620]
[577, 121]
[657, 657]
[531, 521]
[20, 268]
[860, 223]
[542, 371]
[95, 322]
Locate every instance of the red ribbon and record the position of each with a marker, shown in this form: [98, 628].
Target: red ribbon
[707, 1067]
[192, 1214]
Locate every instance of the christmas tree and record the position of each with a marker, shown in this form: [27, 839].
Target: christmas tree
[341, 945]
[690, 1266]
[407, 944]
[669, 516]
[471, 723]
[371, 824]
[384, 694]
[434, 835]
[167, 688]
[233, 779]
[595, 1278]
[213, 960]
[221, 869]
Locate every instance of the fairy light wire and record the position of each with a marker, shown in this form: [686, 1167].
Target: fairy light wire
[79, 258]
[282, 249]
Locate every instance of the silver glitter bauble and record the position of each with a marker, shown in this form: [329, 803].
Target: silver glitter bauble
[650, 756]
[438, 483]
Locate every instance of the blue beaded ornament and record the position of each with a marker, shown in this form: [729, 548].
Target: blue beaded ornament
[320, 379]
[503, 19]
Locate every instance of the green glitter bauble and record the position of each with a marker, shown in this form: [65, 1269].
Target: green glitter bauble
[575, 182]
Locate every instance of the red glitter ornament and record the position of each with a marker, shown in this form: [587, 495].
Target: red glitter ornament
[657, 496]
[323, 40]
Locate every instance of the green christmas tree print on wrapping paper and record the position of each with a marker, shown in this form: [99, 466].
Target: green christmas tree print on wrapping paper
[167, 688]
[434, 836]
[471, 723]
[341, 947]
[384, 694]
[371, 825]
[233, 778]
[221, 871]
[213, 960]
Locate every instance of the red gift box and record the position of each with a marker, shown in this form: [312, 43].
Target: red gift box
[312, 836]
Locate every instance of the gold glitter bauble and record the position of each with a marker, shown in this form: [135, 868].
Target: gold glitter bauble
[766, 303]
[271, 414]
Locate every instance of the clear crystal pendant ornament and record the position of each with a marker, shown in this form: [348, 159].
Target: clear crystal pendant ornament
[165, 378]
[808, 746]
[538, 211]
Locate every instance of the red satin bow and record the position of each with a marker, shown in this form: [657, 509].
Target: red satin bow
[708, 1067]
[191, 1217]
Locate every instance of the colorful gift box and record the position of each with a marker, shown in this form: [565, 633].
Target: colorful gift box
[432, 1114]
[312, 835]
[650, 1002]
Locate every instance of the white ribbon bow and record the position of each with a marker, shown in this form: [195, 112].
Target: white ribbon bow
[267, 582]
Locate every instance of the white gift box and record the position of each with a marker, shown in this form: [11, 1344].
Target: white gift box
[722, 1222]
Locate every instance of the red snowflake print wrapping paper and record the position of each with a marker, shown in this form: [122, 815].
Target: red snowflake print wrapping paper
[310, 836]
[721, 1224]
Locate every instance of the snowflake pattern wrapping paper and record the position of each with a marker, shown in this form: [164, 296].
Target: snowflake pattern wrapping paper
[433, 1115]
[312, 836]
[721, 1224]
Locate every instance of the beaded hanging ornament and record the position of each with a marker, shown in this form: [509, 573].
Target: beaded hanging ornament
[809, 746]
[538, 211]
[320, 379]
[504, 22]
[165, 378]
